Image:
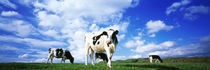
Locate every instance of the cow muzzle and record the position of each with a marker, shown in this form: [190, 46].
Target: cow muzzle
[108, 41]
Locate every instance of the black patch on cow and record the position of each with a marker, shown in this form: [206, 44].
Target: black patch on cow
[69, 56]
[101, 56]
[98, 43]
[59, 53]
[95, 38]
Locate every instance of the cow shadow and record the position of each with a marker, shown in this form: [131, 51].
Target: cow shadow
[158, 67]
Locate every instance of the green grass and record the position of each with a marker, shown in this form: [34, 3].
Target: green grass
[102, 66]
[192, 63]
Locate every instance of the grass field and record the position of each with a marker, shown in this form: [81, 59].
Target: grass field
[142, 64]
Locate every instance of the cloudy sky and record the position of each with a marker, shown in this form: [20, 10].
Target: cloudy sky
[169, 28]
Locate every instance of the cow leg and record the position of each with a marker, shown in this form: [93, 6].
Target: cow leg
[64, 60]
[157, 61]
[61, 60]
[109, 57]
[95, 58]
[52, 60]
[86, 55]
[48, 58]
[150, 59]
[91, 56]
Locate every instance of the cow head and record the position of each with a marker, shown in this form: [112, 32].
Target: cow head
[72, 60]
[112, 36]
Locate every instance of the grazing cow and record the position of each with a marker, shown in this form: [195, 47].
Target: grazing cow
[101, 56]
[60, 53]
[105, 41]
[156, 58]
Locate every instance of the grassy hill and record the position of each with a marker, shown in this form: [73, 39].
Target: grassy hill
[182, 63]
[170, 60]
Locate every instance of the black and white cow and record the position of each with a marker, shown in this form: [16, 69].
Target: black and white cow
[156, 58]
[101, 56]
[105, 41]
[60, 53]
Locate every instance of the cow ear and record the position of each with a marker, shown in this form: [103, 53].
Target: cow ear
[116, 32]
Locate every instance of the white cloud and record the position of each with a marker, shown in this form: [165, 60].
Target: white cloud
[135, 3]
[94, 27]
[192, 10]
[8, 3]
[40, 56]
[153, 35]
[48, 19]
[42, 60]
[32, 42]
[9, 13]
[179, 51]
[189, 12]
[156, 26]
[121, 37]
[51, 33]
[8, 48]
[23, 56]
[27, 3]
[176, 5]
[194, 49]
[124, 26]
[131, 43]
[88, 8]
[198, 9]
[154, 47]
[18, 27]
[125, 57]
[42, 44]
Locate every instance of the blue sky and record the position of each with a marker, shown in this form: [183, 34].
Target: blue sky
[169, 28]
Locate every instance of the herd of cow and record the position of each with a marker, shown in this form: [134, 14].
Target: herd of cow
[98, 42]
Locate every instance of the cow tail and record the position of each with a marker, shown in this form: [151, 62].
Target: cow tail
[85, 38]
[49, 50]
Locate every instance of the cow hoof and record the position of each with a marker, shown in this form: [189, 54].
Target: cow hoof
[110, 66]
[93, 64]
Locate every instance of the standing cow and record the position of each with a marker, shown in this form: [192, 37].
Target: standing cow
[60, 53]
[105, 41]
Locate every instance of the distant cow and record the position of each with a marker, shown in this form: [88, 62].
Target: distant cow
[60, 53]
[156, 58]
[105, 41]
[101, 56]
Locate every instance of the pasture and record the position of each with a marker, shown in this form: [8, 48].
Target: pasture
[203, 63]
